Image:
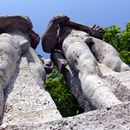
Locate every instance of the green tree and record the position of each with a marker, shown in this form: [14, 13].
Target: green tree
[120, 39]
[65, 101]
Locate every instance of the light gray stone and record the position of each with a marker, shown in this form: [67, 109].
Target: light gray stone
[115, 118]
[119, 82]
[107, 54]
[48, 64]
[22, 75]
[72, 80]
[96, 75]
[9, 55]
[36, 67]
[81, 59]
[26, 100]
[84, 55]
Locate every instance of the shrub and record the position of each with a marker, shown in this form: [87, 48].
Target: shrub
[65, 101]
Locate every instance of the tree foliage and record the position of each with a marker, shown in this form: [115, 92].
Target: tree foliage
[120, 39]
[65, 101]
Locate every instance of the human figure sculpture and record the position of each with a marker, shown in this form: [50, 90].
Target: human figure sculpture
[16, 35]
[23, 98]
[84, 50]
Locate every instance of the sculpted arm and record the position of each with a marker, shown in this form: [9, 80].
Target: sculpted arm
[50, 37]
[94, 31]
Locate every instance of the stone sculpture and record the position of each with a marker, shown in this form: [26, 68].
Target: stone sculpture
[80, 50]
[92, 68]
[22, 75]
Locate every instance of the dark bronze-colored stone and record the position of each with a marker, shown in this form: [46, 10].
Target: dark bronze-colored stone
[51, 36]
[19, 23]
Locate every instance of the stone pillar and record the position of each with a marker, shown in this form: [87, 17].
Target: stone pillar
[92, 75]
[85, 53]
[72, 79]
[22, 75]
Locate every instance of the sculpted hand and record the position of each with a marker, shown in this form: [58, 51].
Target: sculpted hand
[96, 31]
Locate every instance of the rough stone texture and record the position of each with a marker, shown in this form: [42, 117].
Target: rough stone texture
[95, 74]
[83, 69]
[48, 64]
[72, 80]
[9, 55]
[115, 118]
[119, 82]
[96, 90]
[107, 54]
[15, 40]
[36, 67]
[22, 74]
[34, 38]
[83, 59]
[94, 31]
[26, 100]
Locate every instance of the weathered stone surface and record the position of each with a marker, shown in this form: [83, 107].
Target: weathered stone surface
[9, 55]
[34, 39]
[22, 76]
[26, 99]
[48, 64]
[72, 80]
[119, 83]
[107, 54]
[94, 31]
[96, 75]
[36, 67]
[22, 40]
[74, 40]
[115, 118]
[81, 59]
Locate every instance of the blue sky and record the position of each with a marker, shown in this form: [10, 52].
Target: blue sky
[89, 12]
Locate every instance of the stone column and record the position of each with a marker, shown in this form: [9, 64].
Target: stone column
[94, 74]
[84, 55]
[72, 79]
[22, 75]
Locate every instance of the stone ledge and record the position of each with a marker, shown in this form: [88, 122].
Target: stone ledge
[115, 118]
